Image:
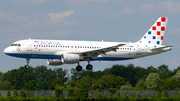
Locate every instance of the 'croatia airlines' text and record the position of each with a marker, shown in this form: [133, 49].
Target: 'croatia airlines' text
[47, 42]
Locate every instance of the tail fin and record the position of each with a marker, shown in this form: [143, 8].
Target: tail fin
[155, 34]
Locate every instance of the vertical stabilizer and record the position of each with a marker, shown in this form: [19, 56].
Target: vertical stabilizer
[155, 34]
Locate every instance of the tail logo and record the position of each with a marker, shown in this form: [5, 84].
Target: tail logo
[155, 34]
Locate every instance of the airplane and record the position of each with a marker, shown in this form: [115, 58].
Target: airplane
[59, 52]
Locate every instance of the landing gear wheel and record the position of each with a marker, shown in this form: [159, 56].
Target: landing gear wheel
[89, 67]
[79, 68]
[27, 61]
[26, 66]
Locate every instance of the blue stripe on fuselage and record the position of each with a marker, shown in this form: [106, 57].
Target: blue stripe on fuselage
[36, 56]
[45, 56]
[111, 58]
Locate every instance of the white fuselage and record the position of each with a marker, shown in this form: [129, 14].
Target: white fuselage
[53, 49]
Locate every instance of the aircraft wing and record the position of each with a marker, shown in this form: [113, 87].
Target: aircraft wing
[96, 52]
[162, 47]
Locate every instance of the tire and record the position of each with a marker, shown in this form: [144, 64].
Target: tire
[89, 67]
[26, 66]
[79, 68]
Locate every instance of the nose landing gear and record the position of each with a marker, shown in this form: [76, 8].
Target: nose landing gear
[27, 61]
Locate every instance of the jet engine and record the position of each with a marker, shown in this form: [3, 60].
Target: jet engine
[70, 58]
[54, 62]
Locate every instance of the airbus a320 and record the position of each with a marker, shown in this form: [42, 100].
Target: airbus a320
[59, 52]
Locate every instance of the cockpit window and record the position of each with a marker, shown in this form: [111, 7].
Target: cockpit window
[16, 45]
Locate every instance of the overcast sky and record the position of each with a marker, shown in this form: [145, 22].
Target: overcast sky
[91, 20]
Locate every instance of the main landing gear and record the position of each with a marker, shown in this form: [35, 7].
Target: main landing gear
[79, 67]
[27, 61]
[88, 67]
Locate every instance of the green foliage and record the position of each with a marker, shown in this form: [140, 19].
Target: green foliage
[57, 81]
[139, 95]
[107, 82]
[58, 90]
[132, 95]
[177, 76]
[125, 97]
[71, 84]
[128, 86]
[28, 94]
[29, 85]
[8, 93]
[90, 96]
[164, 72]
[153, 81]
[81, 94]
[18, 77]
[42, 84]
[141, 85]
[71, 93]
[15, 93]
[100, 98]
[76, 75]
[118, 94]
[159, 94]
[85, 83]
[166, 93]
[32, 78]
[4, 85]
[171, 83]
[114, 78]
[22, 93]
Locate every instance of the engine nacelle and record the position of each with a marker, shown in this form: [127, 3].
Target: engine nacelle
[70, 58]
[54, 62]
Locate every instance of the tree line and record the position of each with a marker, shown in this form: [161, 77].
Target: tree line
[117, 77]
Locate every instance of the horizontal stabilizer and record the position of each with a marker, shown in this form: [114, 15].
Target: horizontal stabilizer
[162, 47]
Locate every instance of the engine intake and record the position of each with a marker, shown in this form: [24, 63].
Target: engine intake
[54, 62]
[70, 58]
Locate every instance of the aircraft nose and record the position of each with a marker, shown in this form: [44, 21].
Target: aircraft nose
[7, 50]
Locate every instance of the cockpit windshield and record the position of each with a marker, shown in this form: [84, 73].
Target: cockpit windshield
[16, 45]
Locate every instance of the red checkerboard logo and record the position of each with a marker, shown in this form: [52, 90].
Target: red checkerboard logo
[158, 23]
[163, 19]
